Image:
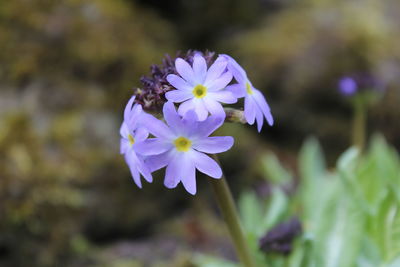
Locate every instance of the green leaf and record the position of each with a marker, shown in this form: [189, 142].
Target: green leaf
[347, 170]
[274, 170]
[341, 241]
[302, 251]
[209, 261]
[393, 263]
[277, 208]
[369, 254]
[311, 161]
[387, 228]
[312, 173]
[251, 212]
[387, 163]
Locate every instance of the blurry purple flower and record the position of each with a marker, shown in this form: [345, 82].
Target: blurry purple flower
[347, 86]
[132, 135]
[360, 82]
[255, 105]
[181, 146]
[200, 89]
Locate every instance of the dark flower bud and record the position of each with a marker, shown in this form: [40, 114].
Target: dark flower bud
[154, 86]
[279, 239]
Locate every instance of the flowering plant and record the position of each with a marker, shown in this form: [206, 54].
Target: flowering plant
[200, 86]
[363, 90]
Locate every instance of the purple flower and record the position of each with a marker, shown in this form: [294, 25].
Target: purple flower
[255, 105]
[347, 86]
[200, 89]
[360, 82]
[132, 135]
[181, 146]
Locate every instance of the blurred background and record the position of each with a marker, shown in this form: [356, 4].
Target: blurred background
[67, 69]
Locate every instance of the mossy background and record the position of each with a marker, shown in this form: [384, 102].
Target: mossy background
[67, 68]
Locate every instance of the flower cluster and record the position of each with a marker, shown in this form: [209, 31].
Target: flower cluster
[199, 86]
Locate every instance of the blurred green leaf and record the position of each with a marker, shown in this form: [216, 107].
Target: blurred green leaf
[350, 217]
[251, 212]
[277, 208]
[312, 173]
[311, 161]
[387, 228]
[209, 261]
[274, 171]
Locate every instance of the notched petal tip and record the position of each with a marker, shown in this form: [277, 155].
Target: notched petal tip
[170, 184]
[192, 192]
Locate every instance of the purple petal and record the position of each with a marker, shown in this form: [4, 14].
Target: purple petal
[190, 121]
[185, 107]
[178, 96]
[128, 107]
[200, 109]
[141, 134]
[187, 175]
[172, 118]
[206, 165]
[134, 117]
[208, 126]
[263, 105]
[215, 144]
[237, 89]
[178, 82]
[190, 118]
[135, 112]
[237, 71]
[223, 96]
[156, 127]
[157, 162]
[216, 70]
[214, 107]
[131, 160]
[124, 130]
[185, 70]
[152, 146]
[249, 109]
[124, 146]
[144, 170]
[259, 119]
[199, 68]
[219, 83]
[172, 172]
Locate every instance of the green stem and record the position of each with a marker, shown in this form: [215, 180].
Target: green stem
[359, 123]
[228, 209]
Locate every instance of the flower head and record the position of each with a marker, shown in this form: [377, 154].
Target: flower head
[347, 86]
[181, 144]
[256, 107]
[200, 88]
[132, 135]
[200, 85]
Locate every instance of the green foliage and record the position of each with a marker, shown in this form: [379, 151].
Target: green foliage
[350, 215]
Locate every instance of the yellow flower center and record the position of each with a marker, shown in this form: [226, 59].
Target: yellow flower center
[182, 144]
[131, 139]
[248, 89]
[199, 91]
